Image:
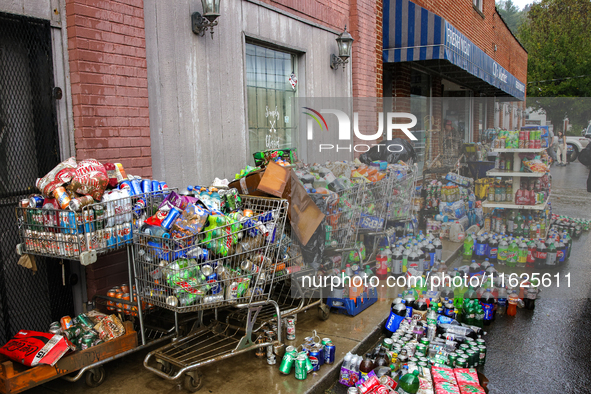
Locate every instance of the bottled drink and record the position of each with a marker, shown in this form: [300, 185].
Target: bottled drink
[493, 249]
[542, 254]
[382, 360]
[560, 251]
[530, 298]
[430, 250]
[510, 223]
[551, 254]
[522, 255]
[413, 261]
[478, 315]
[468, 248]
[502, 301]
[512, 305]
[480, 248]
[409, 300]
[382, 265]
[513, 253]
[366, 366]
[503, 252]
[405, 259]
[532, 252]
[438, 248]
[488, 303]
[396, 262]
[485, 264]
[408, 383]
[474, 268]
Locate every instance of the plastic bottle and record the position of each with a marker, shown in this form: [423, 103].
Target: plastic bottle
[532, 252]
[382, 265]
[502, 301]
[409, 383]
[413, 261]
[513, 253]
[456, 232]
[405, 255]
[468, 248]
[503, 251]
[478, 315]
[512, 304]
[542, 254]
[522, 255]
[409, 301]
[397, 261]
[345, 375]
[493, 250]
[488, 303]
[366, 366]
[430, 250]
[551, 254]
[474, 268]
[438, 248]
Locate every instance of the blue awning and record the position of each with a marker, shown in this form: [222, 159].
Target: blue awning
[412, 33]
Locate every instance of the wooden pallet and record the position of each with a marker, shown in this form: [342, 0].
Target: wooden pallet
[15, 377]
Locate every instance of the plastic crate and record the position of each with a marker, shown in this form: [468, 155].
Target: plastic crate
[349, 307]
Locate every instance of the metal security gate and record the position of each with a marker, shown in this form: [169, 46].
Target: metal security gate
[29, 148]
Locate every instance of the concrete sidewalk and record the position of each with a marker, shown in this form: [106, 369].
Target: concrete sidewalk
[250, 374]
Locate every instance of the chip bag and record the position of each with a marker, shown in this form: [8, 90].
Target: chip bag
[109, 328]
[32, 348]
[190, 222]
[90, 179]
[59, 176]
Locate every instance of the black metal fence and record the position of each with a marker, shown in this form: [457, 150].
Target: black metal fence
[29, 148]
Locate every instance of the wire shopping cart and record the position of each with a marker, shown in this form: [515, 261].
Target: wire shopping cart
[232, 263]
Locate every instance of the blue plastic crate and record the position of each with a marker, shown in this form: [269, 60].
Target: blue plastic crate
[348, 307]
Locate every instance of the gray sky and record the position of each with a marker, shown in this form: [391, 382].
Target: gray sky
[523, 3]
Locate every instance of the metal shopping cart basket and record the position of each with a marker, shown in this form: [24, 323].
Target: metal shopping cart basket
[230, 264]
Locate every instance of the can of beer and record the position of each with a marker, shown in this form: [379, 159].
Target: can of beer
[301, 372]
[173, 214]
[291, 329]
[329, 353]
[481, 355]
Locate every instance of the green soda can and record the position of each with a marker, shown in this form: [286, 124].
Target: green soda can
[301, 372]
[482, 355]
[99, 214]
[421, 349]
[86, 341]
[73, 332]
[309, 366]
[425, 341]
[452, 359]
[288, 360]
[85, 320]
[472, 358]
[388, 343]
[325, 341]
[462, 362]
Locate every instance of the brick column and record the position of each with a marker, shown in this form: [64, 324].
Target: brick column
[108, 67]
[108, 73]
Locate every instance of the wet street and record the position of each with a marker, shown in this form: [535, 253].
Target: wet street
[548, 350]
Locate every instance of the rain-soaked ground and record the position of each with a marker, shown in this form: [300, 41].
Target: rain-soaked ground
[548, 350]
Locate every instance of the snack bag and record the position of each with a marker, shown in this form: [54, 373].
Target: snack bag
[190, 222]
[109, 328]
[90, 179]
[32, 348]
[60, 175]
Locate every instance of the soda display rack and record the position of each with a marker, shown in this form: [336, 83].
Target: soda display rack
[537, 207]
[501, 173]
[518, 150]
[170, 280]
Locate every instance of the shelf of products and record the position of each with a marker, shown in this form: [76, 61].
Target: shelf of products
[537, 207]
[513, 150]
[500, 173]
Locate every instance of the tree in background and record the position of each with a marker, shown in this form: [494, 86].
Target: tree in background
[557, 36]
[511, 14]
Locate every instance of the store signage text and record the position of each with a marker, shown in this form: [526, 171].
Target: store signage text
[499, 72]
[271, 139]
[457, 41]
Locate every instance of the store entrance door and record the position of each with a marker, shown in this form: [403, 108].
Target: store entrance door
[29, 148]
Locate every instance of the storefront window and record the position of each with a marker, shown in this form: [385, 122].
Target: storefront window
[271, 117]
[420, 92]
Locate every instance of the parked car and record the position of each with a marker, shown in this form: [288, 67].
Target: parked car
[575, 145]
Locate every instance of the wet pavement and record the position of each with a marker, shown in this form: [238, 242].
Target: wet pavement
[548, 350]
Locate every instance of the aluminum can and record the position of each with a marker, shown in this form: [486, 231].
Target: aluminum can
[170, 218]
[136, 187]
[55, 328]
[317, 352]
[60, 240]
[301, 373]
[24, 203]
[388, 343]
[388, 381]
[481, 355]
[146, 185]
[473, 358]
[127, 234]
[99, 215]
[62, 197]
[163, 186]
[66, 322]
[288, 360]
[353, 390]
[462, 362]
[260, 351]
[323, 342]
[110, 237]
[329, 353]
[126, 184]
[74, 219]
[35, 201]
[291, 329]
[156, 186]
[86, 341]
[88, 220]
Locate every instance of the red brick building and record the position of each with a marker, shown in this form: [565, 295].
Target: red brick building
[453, 61]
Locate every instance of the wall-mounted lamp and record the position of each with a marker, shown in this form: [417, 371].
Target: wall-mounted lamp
[200, 23]
[344, 42]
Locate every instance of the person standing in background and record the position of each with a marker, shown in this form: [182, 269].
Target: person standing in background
[553, 147]
[561, 149]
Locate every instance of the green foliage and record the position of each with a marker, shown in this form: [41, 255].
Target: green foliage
[511, 14]
[557, 36]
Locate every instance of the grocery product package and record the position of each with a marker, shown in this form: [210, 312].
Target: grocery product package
[32, 348]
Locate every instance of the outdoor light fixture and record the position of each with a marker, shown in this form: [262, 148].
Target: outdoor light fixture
[344, 42]
[200, 23]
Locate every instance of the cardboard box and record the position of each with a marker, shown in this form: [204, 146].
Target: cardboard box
[249, 184]
[274, 180]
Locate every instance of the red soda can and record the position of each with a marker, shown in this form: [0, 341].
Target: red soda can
[369, 385]
[381, 389]
[388, 381]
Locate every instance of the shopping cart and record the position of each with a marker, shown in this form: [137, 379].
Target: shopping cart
[96, 229]
[230, 264]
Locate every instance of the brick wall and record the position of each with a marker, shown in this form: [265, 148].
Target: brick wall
[108, 71]
[484, 30]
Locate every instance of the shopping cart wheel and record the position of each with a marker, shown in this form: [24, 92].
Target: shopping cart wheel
[164, 366]
[323, 312]
[95, 376]
[193, 381]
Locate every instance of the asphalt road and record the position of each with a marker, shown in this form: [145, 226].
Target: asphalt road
[548, 350]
